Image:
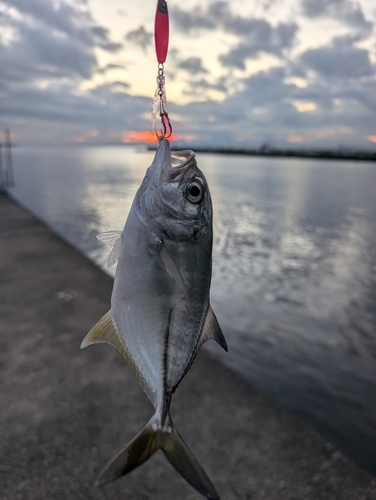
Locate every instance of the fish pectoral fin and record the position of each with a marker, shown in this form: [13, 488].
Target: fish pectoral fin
[109, 237]
[165, 260]
[114, 239]
[105, 331]
[211, 330]
[115, 252]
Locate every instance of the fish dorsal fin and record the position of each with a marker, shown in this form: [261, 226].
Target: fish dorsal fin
[105, 331]
[114, 239]
[211, 330]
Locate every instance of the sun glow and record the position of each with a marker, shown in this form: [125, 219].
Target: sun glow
[147, 136]
[297, 139]
[137, 136]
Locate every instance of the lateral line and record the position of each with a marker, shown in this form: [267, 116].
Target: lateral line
[167, 396]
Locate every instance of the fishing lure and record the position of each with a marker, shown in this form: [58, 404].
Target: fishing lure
[161, 36]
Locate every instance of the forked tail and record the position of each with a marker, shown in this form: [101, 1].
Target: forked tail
[148, 441]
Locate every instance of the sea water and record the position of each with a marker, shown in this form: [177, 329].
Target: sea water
[294, 267]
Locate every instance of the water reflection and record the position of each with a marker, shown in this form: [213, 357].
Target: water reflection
[293, 281]
[294, 278]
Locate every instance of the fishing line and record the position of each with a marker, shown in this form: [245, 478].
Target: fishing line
[161, 36]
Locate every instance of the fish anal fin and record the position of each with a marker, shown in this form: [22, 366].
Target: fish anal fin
[106, 331]
[211, 330]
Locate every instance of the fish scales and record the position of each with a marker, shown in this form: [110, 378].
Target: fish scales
[160, 310]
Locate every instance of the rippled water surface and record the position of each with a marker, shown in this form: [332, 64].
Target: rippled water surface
[294, 268]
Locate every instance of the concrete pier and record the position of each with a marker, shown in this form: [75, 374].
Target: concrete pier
[64, 412]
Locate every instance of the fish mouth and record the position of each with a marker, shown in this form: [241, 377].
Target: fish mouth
[171, 165]
[180, 159]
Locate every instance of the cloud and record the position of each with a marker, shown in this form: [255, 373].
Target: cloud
[347, 11]
[263, 110]
[69, 19]
[197, 87]
[39, 53]
[50, 51]
[266, 89]
[261, 38]
[110, 67]
[268, 108]
[339, 60]
[140, 37]
[192, 65]
[52, 39]
[219, 15]
[256, 35]
[101, 38]
[62, 17]
[50, 47]
[116, 86]
[253, 30]
[222, 15]
[187, 21]
[34, 113]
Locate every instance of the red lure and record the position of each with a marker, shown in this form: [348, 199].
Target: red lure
[161, 35]
[161, 31]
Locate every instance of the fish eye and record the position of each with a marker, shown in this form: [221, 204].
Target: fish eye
[195, 192]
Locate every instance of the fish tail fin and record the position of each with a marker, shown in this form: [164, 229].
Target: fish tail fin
[182, 459]
[133, 455]
[151, 438]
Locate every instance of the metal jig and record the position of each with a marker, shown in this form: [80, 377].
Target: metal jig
[161, 37]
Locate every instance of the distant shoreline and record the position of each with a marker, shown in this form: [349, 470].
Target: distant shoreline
[288, 153]
[267, 151]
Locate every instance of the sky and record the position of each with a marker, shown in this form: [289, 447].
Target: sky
[287, 73]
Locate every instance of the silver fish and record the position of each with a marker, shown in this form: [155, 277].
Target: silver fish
[160, 312]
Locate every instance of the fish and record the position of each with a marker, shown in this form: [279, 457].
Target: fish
[160, 312]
